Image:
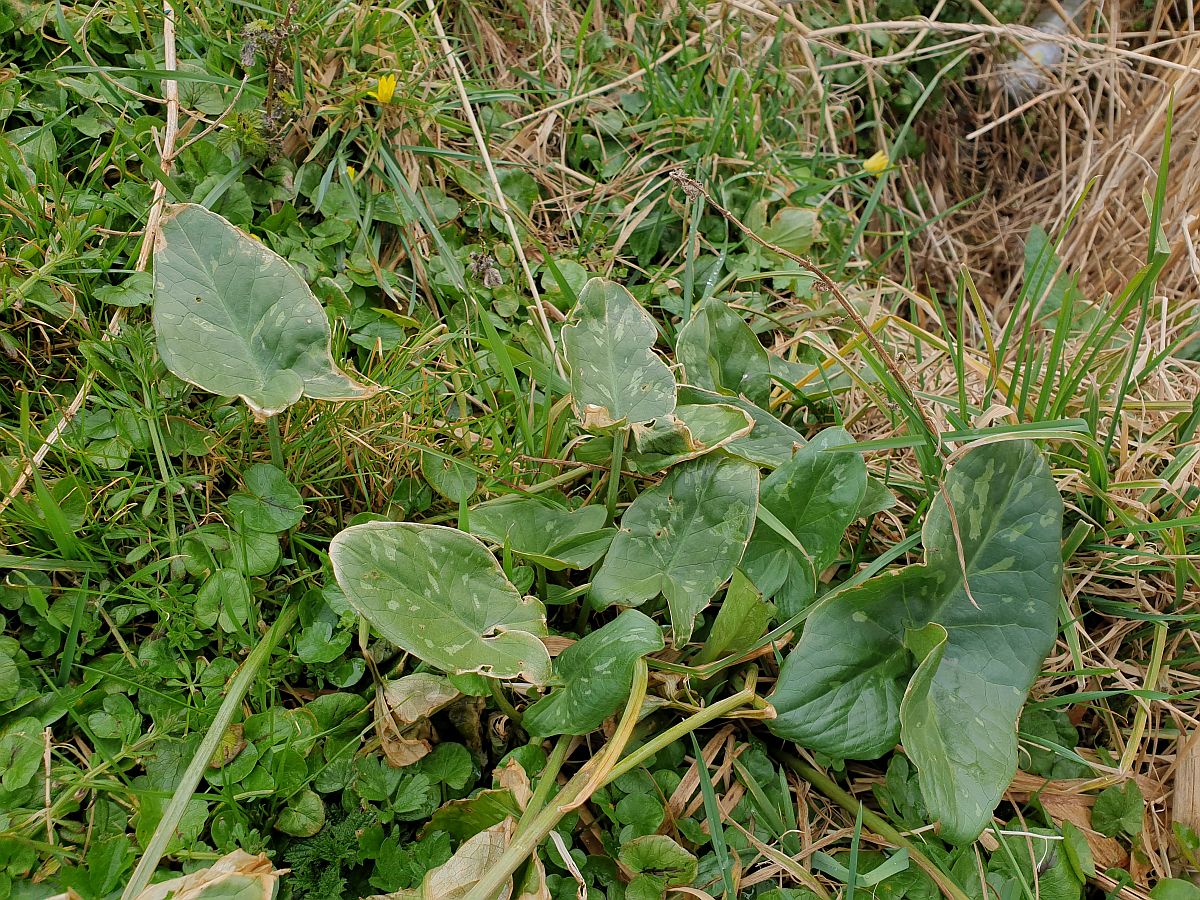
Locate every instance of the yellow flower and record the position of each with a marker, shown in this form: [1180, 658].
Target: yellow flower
[877, 163]
[385, 89]
[352, 172]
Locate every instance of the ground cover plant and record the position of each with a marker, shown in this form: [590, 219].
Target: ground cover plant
[440, 463]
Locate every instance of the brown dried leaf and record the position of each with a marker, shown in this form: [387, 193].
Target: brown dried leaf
[555, 644]
[1185, 807]
[512, 775]
[456, 877]
[402, 710]
[251, 877]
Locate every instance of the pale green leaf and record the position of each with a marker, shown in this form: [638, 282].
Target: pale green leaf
[597, 672]
[235, 318]
[682, 539]
[303, 816]
[991, 581]
[440, 594]
[793, 228]
[691, 432]
[455, 878]
[770, 442]
[616, 377]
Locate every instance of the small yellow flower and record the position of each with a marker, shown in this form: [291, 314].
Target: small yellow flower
[385, 89]
[877, 163]
[352, 172]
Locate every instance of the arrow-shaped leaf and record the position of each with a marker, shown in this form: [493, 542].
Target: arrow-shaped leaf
[616, 377]
[234, 318]
[941, 653]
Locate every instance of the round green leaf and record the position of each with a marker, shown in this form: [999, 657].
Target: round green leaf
[941, 653]
[448, 477]
[236, 319]
[270, 502]
[682, 539]
[303, 816]
[224, 596]
[251, 552]
[616, 377]
[440, 594]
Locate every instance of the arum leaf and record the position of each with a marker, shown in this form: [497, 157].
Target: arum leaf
[235, 876]
[681, 539]
[872, 665]
[741, 620]
[616, 377]
[815, 496]
[690, 433]
[770, 443]
[877, 499]
[235, 318]
[719, 352]
[548, 535]
[597, 672]
[440, 594]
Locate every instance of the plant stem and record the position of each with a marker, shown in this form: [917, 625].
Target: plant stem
[503, 702]
[549, 774]
[870, 820]
[241, 682]
[533, 829]
[276, 443]
[671, 735]
[614, 478]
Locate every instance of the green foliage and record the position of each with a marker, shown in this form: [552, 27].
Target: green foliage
[440, 594]
[616, 377]
[673, 457]
[869, 670]
[597, 673]
[236, 319]
[681, 539]
[1118, 810]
